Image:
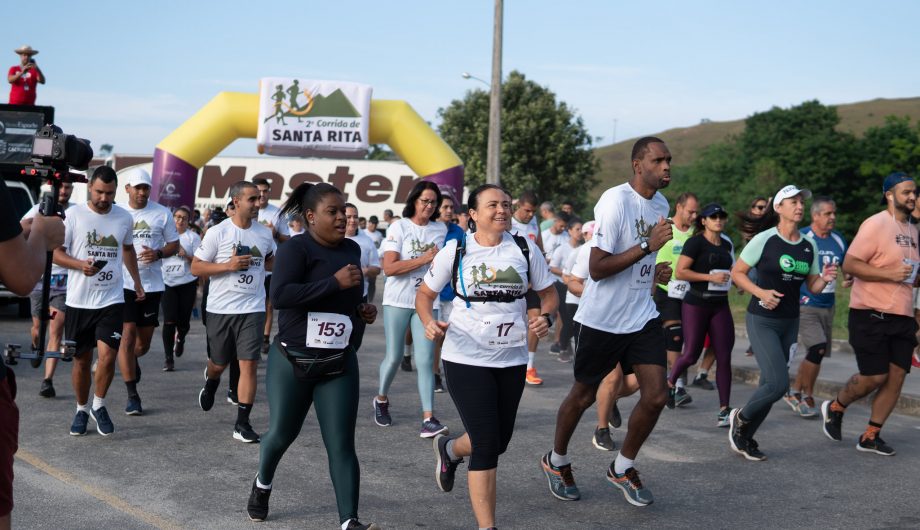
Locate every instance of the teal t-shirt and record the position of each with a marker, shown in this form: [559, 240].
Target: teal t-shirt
[782, 266]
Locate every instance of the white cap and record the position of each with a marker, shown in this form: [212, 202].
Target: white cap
[789, 191]
[588, 227]
[136, 176]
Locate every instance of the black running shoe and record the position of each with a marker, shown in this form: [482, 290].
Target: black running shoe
[354, 524]
[447, 468]
[244, 433]
[382, 413]
[736, 437]
[258, 503]
[671, 402]
[874, 445]
[682, 398]
[702, 381]
[833, 422]
[406, 363]
[169, 366]
[47, 389]
[555, 348]
[615, 418]
[206, 398]
[178, 346]
[438, 386]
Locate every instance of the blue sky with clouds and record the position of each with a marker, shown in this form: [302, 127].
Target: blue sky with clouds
[128, 73]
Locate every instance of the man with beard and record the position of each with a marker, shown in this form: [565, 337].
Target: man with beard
[883, 260]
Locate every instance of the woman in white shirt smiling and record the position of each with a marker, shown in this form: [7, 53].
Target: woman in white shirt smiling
[485, 347]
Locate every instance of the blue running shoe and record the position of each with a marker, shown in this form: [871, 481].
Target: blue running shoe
[635, 493]
[78, 427]
[134, 406]
[560, 479]
[104, 424]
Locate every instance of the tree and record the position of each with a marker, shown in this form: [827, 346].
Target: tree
[544, 144]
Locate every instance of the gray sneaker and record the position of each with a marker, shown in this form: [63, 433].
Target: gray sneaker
[807, 408]
[681, 397]
[560, 479]
[602, 439]
[633, 490]
[565, 356]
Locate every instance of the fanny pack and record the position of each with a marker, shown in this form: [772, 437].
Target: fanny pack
[311, 365]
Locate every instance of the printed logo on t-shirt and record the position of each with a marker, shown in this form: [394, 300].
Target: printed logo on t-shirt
[789, 264]
[417, 248]
[643, 229]
[488, 281]
[101, 246]
[905, 241]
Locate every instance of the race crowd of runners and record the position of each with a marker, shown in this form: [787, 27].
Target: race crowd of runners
[632, 299]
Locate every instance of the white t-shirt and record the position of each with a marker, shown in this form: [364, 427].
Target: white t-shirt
[622, 303]
[560, 255]
[369, 255]
[237, 292]
[56, 270]
[410, 241]
[577, 265]
[176, 270]
[553, 241]
[271, 214]
[88, 234]
[485, 270]
[153, 228]
[531, 230]
[374, 236]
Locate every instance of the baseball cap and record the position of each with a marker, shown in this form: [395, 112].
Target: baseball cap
[136, 176]
[790, 191]
[893, 180]
[587, 228]
[713, 209]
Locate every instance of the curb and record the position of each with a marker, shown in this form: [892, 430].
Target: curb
[907, 404]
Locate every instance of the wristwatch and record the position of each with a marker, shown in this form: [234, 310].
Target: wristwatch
[645, 248]
[159, 253]
[549, 320]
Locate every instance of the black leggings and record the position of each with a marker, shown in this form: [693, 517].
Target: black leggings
[336, 403]
[567, 313]
[487, 400]
[177, 303]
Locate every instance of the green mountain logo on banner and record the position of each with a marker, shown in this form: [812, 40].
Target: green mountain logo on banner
[294, 102]
[93, 239]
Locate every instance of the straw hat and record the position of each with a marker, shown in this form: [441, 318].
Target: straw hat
[26, 50]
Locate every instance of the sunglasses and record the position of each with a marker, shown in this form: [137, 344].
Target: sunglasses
[722, 216]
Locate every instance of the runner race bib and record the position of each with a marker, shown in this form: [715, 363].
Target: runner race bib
[831, 287]
[175, 271]
[329, 331]
[722, 287]
[913, 270]
[642, 273]
[501, 330]
[246, 282]
[678, 289]
[104, 279]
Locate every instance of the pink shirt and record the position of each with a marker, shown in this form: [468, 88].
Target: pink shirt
[883, 242]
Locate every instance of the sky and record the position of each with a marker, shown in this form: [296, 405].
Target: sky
[128, 73]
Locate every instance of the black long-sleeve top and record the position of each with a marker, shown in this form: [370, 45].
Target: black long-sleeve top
[303, 281]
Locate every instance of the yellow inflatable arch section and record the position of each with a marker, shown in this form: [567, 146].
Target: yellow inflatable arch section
[232, 115]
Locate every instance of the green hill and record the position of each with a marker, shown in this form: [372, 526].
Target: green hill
[335, 105]
[686, 143]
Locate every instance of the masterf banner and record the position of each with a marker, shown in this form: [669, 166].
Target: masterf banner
[305, 117]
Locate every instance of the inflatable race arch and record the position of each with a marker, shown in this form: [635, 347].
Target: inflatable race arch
[232, 115]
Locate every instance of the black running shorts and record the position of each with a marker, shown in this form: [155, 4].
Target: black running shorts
[880, 339]
[235, 337]
[668, 307]
[87, 326]
[145, 313]
[598, 352]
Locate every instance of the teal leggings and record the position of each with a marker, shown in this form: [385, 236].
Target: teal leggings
[336, 403]
[395, 322]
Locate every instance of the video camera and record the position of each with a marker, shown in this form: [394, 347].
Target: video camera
[54, 154]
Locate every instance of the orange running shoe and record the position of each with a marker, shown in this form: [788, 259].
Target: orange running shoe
[532, 377]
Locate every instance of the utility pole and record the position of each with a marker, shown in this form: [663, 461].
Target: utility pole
[493, 169]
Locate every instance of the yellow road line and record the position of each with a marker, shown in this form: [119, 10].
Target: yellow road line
[112, 500]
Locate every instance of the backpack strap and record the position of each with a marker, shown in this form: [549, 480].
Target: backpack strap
[525, 250]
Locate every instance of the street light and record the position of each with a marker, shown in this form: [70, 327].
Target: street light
[467, 75]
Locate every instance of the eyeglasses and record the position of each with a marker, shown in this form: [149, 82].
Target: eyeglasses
[428, 202]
